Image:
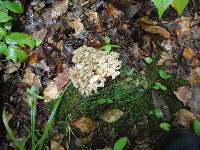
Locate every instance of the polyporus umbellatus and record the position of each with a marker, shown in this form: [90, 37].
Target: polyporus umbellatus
[92, 68]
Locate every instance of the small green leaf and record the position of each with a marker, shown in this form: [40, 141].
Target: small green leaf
[165, 126]
[8, 25]
[13, 6]
[197, 127]
[115, 46]
[161, 6]
[148, 60]
[2, 33]
[180, 5]
[158, 113]
[158, 85]
[163, 74]
[21, 39]
[121, 143]
[102, 101]
[107, 48]
[109, 101]
[3, 49]
[16, 54]
[106, 39]
[4, 17]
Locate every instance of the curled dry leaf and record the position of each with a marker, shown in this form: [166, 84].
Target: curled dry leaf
[112, 115]
[183, 94]
[56, 145]
[86, 125]
[62, 78]
[51, 91]
[184, 118]
[84, 140]
[77, 25]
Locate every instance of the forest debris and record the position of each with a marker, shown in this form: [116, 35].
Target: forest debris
[32, 59]
[166, 45]
[112, 115]
[51, 91]
[194, 77]
[29, 77]
[184, 24]
[84, 140]
[41, 34]
[85, 124]
[92, 67]
[113, 12]
[152, 27]
[184, 118]
[11, 67]
[183, 94]
[56, 145]
[188, 53]
[62, 78]
[77, 25]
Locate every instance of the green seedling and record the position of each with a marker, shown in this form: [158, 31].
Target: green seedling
[107, 45]
[157, 112]
[158, 86]
[165, 126]
[148, 60]
[119, 145]
[162, 6]
[196, 127]
[105, 101]
[163, 74]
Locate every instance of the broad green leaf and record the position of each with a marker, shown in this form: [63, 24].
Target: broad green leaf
[162, 5]
[13, 6]
[148, 60]
[106, 39]
[21, 39]
[197, 127]
[8, 25]
[107, 48]
[180, 5]
[4, 17]
[163, 74]
[158, 113]
[2, 33]
[165, 126]
[16, 54]
[121, 143]
[3, 49]
[102, 101]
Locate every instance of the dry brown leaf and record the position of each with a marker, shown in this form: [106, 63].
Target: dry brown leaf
[51, 91]
[184, 26]
[112, 115]
[86, 125]
[83, 140]
[194, 77]
[146, 21]
[188, 53]
[56, 145]
[32, 59]
[184, 118]
[77, 25]
[62, 78]
[29, 76]
[158, 30]
[112, 11]
[183, 94]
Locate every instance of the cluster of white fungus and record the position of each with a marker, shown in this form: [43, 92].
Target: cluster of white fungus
[92, 67]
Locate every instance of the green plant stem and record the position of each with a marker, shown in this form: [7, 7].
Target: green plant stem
[33, 116]
[10, 133]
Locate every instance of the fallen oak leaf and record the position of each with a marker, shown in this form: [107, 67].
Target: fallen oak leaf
[86, 125]
[184, 118]
[112, 115]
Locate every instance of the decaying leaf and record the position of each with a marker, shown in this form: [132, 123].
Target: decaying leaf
[151, 27]
[56, 145]
[62, 78]
[51, 91]
[29, 76]
[93, 16]
[183, 94]
[84, 140]
[184, 26]
[112, 11]
[112, 115]
[32, 59]
[86, 125]
[77, 25]
[188, 53]
[184, 118]
[194, 77]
